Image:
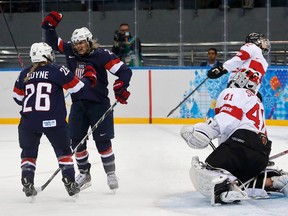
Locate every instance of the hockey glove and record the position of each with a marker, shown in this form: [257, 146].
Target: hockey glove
[121, 93]
[194, 139]
[216, 72]
[90, 74]
[51, 20]
[200, 135]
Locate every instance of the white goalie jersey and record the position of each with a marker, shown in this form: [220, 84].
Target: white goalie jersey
[239, 108]
[249, 56]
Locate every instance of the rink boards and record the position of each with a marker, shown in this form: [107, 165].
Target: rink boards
[157, 91]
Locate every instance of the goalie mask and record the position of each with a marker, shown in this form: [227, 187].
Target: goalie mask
[259, 40]
[41, 52]
[249, 79]
[82, 34]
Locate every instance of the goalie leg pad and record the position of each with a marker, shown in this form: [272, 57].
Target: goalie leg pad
[217, 185]
[202, 178]
[281, 183]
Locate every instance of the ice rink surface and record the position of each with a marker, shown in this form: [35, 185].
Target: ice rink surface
[152, 163]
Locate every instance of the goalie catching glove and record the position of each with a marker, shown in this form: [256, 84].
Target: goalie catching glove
[121, 93]
[200, 135]
[216, 72]
[51, 20]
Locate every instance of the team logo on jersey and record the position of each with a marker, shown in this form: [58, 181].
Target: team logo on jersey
[49, 123]
[80, 69]
[263, 138]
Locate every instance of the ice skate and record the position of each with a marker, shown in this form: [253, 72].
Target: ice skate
[28, 188]
[72, 187]
[112, 182]
[226, 192]
[83, 179]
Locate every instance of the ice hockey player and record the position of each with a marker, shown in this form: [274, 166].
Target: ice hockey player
[244, 147]
[251, 55]
[39, 90]
[81, 51]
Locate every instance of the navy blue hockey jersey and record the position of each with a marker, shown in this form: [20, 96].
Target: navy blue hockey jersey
[102, 60]
[42, 96]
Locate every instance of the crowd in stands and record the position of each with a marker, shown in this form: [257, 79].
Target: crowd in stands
[20, 6]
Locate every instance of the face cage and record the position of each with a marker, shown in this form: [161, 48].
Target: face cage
[265, 46]
[240, 80]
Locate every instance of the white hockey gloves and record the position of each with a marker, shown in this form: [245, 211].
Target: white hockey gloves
[200, 135]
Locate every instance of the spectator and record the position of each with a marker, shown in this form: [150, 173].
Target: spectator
[212, 59]
[127, 47]
[230, 4]
[248, 4]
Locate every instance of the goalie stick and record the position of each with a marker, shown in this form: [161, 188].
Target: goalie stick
[271, 164]
[212, 145]
[17, 51]
[278, 155]
[39, 189]
[187, 96]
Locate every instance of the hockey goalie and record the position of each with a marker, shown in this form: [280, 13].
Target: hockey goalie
[238, 168]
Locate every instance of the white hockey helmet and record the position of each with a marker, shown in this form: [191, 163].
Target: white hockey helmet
[81, 34]
[246, 78]
[41, 52]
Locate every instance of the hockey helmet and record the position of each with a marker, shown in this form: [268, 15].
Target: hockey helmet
[81, 34]
[259, 40]
[41, 52]
[246, 78]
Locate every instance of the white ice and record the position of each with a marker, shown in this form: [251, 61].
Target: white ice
[153, 163]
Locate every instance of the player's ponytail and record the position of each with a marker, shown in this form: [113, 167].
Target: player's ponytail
[32, 69]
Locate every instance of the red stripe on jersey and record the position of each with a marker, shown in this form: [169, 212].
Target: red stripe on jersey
[19, 91]
[243, 55]
[61, 45]
[81, 154]
[231, 110]
[71, 84]
[257, 66]
[108, 151]
[28, 160]
[65, 159]
[111, 63]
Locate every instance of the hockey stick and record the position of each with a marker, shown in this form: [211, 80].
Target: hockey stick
[18, 53]
[212, 145]
[108, 111]
[278, 155]
[270, 160]
[188, 96]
